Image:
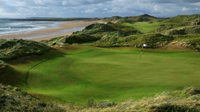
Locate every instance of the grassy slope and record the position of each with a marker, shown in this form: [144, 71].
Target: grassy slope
[114, 74]
[186, 100]
[181, 20]
[143, 27]
[17, 48]
[12, 99]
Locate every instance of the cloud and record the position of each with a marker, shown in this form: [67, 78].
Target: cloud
[97, 8]
[2, 3]
[191, 1]
[90, 10]
[159, 1]
[171, 1]
[60, 2]
[185, 9]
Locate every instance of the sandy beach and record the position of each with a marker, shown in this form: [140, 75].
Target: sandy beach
[65, 28]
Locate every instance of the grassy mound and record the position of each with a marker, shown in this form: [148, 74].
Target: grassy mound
[156, 40]
[98, 27]
[161, 28]
[141, 18]
[178, 21]
[129, 30]
[184, 20]
[17, 48]
[97, 30]
[12, 99]
[71, 39]
[186, 30]
[152, 41]
[187, 100]
[79, 38]
[54, 41]
[195, 43]
[190, 42]
[112, 19]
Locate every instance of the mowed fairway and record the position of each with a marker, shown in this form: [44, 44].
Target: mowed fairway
[114, 74]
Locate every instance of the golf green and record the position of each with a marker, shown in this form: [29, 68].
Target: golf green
[144, 27]
[114, 74]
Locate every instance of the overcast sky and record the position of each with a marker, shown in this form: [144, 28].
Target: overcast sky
[97, 8]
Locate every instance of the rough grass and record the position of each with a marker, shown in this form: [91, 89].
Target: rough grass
[78, 73]
[12, 99]
[186, 100]
[184, 42]
[184, 20]
[179, 21]
[17, 48]
[141, 18]
[122, 27]
[186, 30]
[152, 41]
[175, 101]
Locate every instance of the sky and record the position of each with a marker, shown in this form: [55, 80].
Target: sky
[96, 8]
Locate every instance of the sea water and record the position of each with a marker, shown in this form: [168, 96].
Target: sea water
[16, 27]
[8, 27]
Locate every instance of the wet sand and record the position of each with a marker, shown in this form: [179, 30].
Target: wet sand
[65, 28]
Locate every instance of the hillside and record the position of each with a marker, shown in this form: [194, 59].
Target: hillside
[184, 20]
[184, 30]
[186, 100]
[17, 48]
[15, 100]
[179, 21]
[180, 32]
[112, 19]
[141, 18]
[152, 41]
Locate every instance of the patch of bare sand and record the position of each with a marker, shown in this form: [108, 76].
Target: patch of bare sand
[44, 33]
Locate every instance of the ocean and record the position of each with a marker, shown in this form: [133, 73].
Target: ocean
[18, 27]
[7, 27]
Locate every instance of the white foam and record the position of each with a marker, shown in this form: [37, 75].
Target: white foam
[39, 26]
[35, 26]
[25, 30]
[5, 28]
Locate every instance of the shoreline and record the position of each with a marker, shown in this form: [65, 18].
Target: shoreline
[65, 28]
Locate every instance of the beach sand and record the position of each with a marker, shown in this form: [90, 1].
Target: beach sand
[46, 34]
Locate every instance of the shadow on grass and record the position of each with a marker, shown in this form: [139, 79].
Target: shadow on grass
[15, 76]
[10, 76]
[27, 73]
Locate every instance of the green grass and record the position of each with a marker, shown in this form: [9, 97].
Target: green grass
[143, 27]
[78, 73]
